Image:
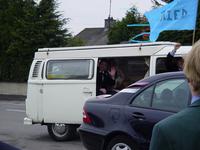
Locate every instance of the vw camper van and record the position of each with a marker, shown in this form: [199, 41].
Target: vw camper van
[62, 79]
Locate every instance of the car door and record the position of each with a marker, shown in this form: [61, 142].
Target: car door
[154, 104]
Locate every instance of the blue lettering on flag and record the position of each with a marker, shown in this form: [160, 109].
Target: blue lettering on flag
[173, 15]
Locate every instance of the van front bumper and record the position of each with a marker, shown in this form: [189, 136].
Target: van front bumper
[28, 121]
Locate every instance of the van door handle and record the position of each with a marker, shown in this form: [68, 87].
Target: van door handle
[87, 90]
[41, 91]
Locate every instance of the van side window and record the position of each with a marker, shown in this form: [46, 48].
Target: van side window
[161, 64]
[127, 70]
[70, 69]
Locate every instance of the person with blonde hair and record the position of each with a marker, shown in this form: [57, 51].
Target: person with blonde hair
[182, 130]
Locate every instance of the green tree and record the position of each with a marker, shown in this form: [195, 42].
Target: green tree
[74, 41]
[25, 27]
[50, 23]
[17, 18]
[120, 32]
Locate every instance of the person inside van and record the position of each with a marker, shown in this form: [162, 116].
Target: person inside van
[119, 76]
[174, 63]
[105, 78]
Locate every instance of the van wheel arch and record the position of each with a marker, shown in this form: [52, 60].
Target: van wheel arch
[61, 131]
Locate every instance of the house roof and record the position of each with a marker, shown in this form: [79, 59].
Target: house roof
[93, 36]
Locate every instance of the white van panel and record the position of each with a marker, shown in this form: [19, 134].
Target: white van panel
[34, 103]
[34, 92]
[63, 101]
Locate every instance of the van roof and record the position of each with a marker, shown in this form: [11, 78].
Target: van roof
[106, 46]
[118, 50]
[180, 52]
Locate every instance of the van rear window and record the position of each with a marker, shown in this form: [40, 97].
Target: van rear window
[70, 69]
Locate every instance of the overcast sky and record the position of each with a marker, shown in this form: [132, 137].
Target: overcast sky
[91, 13]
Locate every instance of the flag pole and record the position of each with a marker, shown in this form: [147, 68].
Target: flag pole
[194, 31]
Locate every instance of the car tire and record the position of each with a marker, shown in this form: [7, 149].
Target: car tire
[121, 143]
[61, 132]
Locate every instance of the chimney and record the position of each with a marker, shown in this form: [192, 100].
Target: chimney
[109, 23]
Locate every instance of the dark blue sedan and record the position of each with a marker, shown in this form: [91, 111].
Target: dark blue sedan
[125, 120]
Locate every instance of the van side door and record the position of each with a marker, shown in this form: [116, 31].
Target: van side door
[68, 84]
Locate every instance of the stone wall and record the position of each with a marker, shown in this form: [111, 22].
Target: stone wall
[13, 91]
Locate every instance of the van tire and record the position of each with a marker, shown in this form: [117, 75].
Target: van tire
[61, 132]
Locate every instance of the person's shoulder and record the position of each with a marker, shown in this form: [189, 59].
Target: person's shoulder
[173, 120]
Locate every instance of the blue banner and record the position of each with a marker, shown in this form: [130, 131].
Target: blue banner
[177, 15]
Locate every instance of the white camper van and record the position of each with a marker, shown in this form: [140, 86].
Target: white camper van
[62, 79]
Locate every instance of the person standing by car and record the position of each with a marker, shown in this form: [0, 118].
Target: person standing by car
[172, 63]
[182, 131]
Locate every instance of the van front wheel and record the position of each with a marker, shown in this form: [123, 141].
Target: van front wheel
[61, 132]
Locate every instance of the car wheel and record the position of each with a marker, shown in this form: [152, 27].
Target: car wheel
[121, 143]
[61, 132]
